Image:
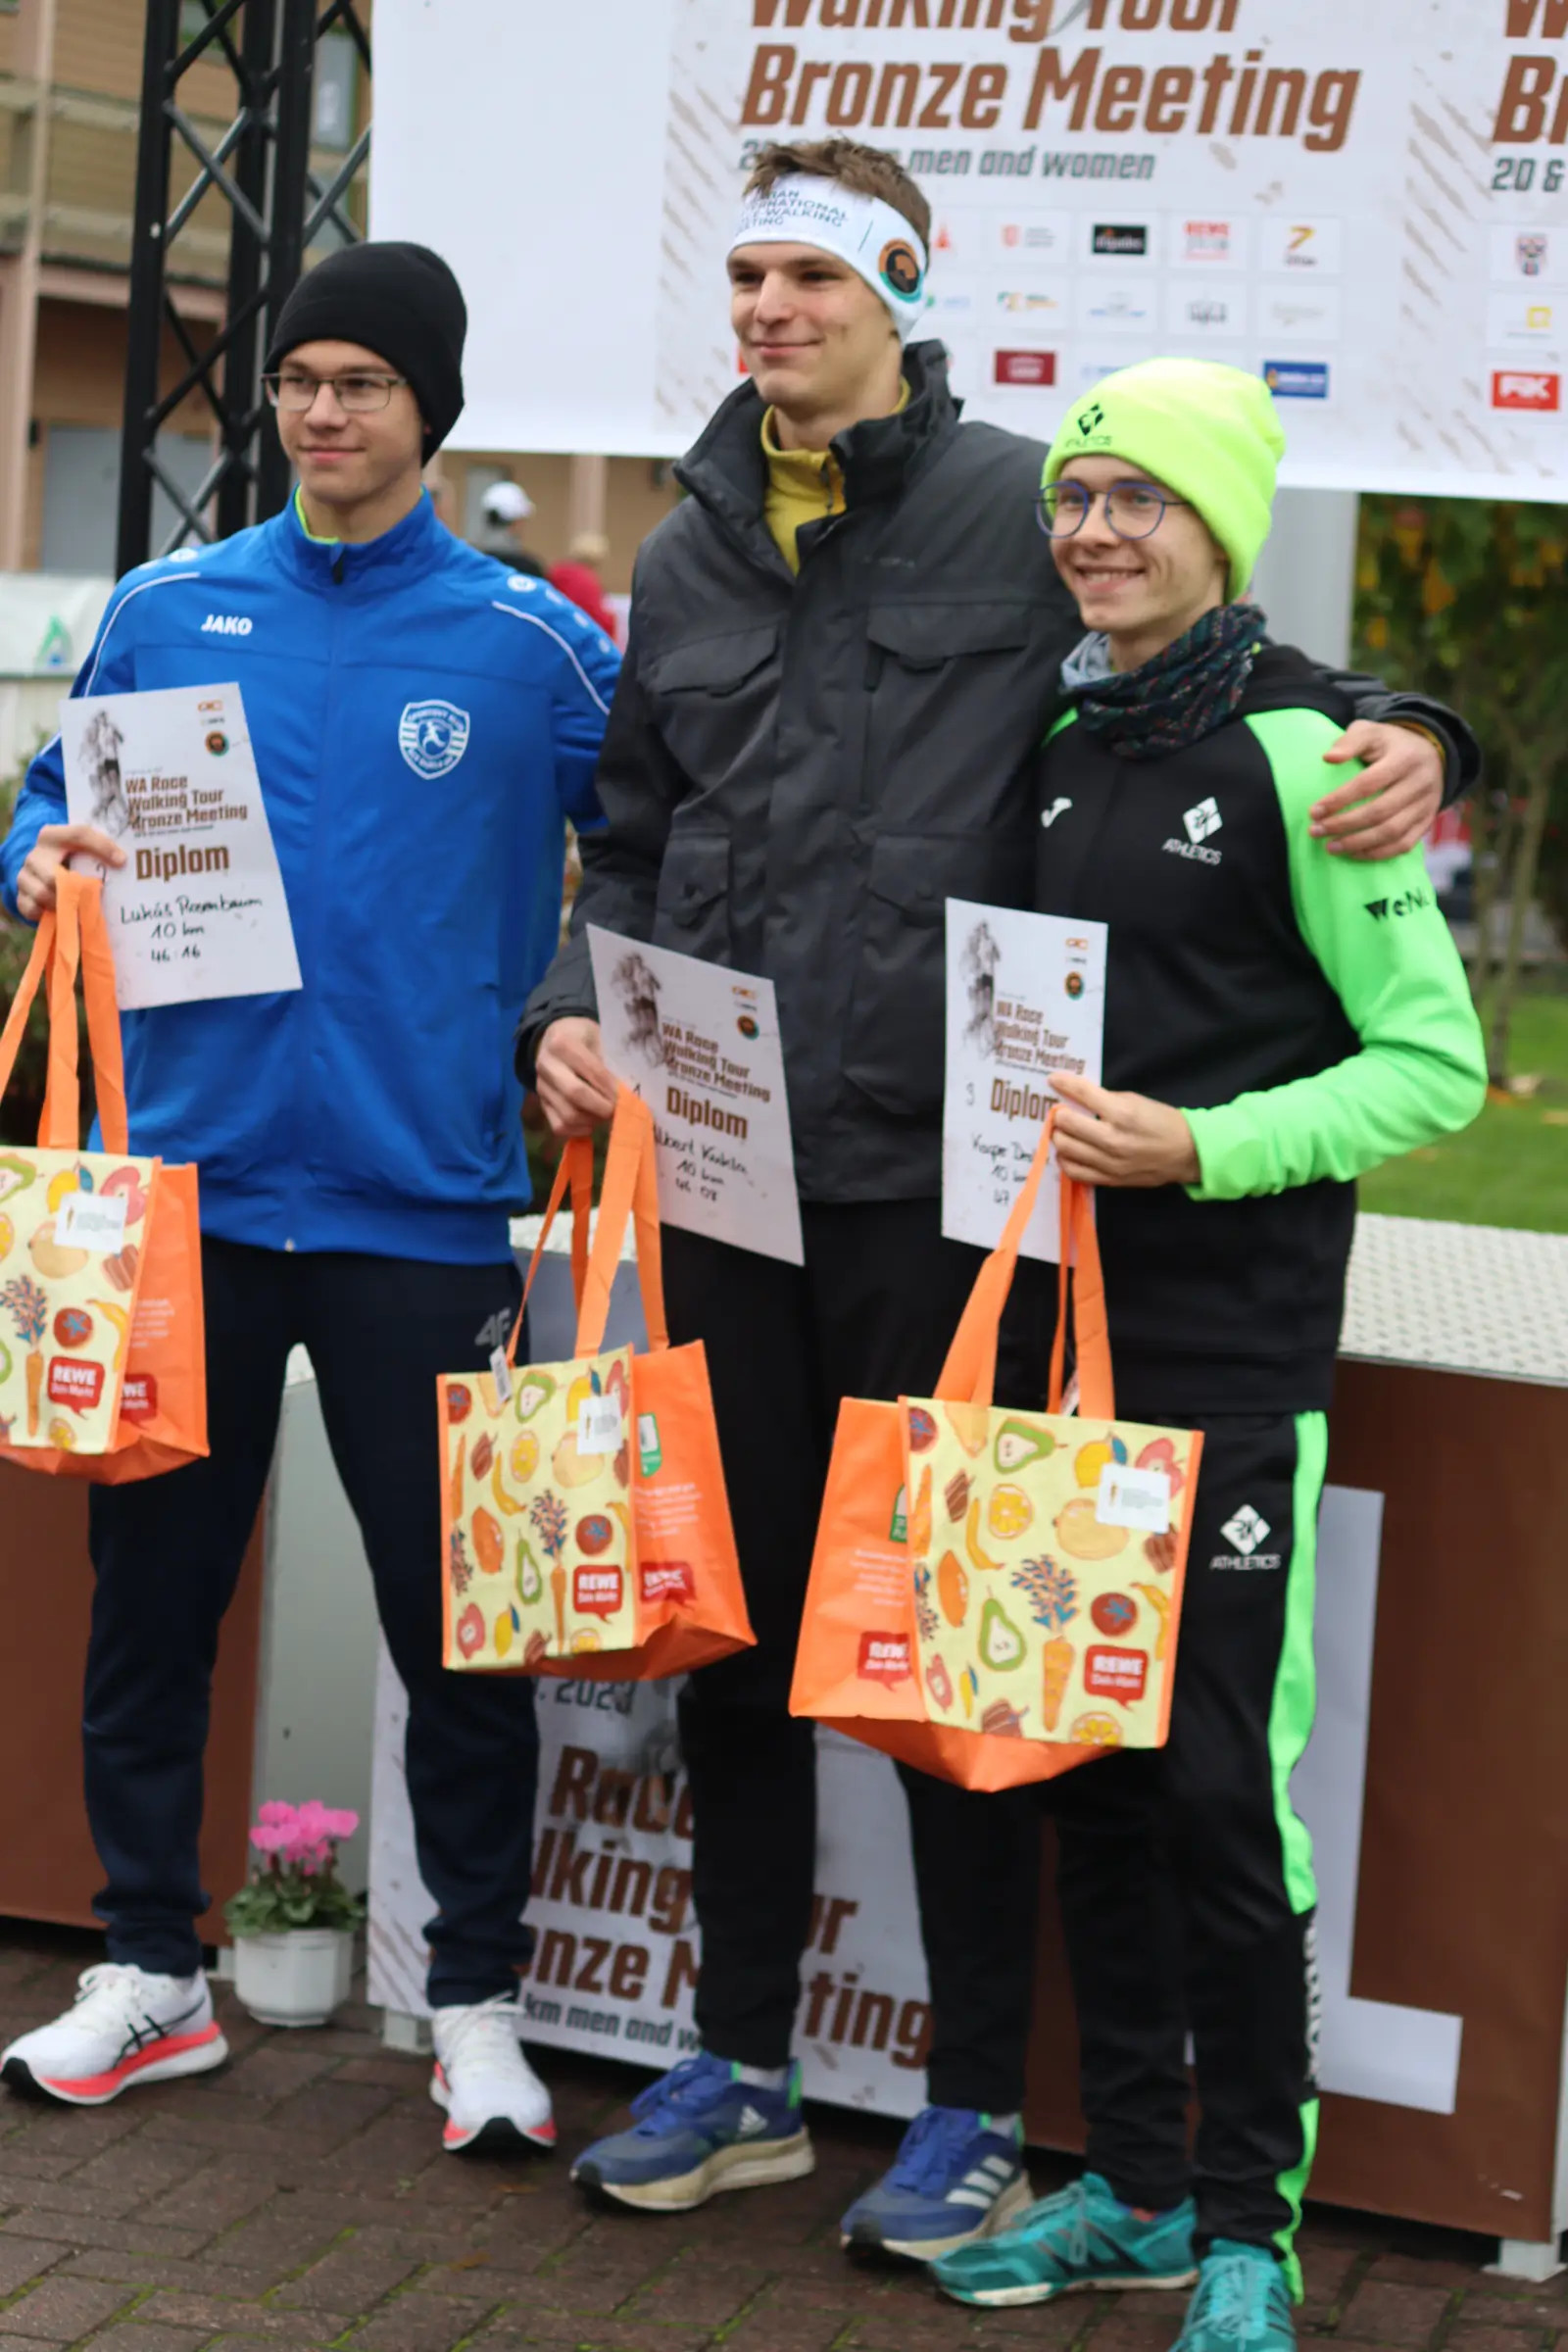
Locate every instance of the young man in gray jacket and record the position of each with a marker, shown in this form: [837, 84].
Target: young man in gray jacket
[843, 649]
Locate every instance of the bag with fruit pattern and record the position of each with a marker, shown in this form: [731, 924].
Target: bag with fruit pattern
[995, 1596]
[586, 1527]
[103, 1370]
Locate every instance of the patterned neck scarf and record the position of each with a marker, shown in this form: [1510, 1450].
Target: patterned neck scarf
[1174, 701]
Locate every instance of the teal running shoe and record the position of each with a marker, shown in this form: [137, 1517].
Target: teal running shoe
[1083, 2237]
[1242, 2303]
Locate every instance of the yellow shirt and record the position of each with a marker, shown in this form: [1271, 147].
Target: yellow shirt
[803, 486]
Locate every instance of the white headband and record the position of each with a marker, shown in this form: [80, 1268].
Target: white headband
[878, 242]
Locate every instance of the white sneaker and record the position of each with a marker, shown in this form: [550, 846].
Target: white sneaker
[127, 2026]
[492, 2095]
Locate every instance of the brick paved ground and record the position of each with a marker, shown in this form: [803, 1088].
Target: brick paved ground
[301, 2198]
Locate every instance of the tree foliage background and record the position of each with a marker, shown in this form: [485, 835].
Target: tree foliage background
[1468, 600]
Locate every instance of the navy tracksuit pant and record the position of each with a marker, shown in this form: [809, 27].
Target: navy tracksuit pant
[168, 1555]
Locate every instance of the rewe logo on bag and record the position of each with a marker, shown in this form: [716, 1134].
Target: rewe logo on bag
[75, 1383]
[884, 1657]
[1115, 1673]
[139, 1398]
[597, 1592]
[668, 1580]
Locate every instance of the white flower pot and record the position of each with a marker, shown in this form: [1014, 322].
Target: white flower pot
[297, 1978]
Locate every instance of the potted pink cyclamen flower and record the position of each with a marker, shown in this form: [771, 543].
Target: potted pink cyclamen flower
[293, 1921]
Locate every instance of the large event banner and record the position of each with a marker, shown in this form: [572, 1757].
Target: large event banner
[1364, 204]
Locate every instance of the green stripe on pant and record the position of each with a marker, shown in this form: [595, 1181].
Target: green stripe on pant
[1289, 1728]
[1290, 1721]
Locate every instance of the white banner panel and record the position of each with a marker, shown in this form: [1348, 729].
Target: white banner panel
[1367, 204]
[615, 1966]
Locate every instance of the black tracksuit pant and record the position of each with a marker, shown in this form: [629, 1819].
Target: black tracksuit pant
[871, 1313]
[1185, 1881]
[168, 1555]
[1184, 1877]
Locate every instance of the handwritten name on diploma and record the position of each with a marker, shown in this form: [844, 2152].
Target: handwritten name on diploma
[699, 1169]
[163, 911]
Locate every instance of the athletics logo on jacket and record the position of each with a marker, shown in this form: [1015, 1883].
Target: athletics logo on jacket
[432, 737]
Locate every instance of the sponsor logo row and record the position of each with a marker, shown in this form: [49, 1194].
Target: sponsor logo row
[1532, 257]
[1216, 310]
[1037, 372]
[1208, 306]
[1290, 245]
[1517, 390]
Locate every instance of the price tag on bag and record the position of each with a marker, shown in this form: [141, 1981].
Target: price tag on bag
[92, 1221]
[599, 1424]
[1138, 1499]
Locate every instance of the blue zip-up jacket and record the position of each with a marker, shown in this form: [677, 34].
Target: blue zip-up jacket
[421, 850]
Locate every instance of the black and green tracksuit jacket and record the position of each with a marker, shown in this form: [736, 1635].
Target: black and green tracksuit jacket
[1310, 1017]
[1309, 1014]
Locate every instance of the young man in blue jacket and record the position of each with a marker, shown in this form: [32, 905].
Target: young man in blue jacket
[424, 725]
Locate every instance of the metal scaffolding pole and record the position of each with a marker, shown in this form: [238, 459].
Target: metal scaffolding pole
[260, 167]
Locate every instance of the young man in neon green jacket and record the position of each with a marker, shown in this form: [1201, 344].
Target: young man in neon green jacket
[1276, 1022]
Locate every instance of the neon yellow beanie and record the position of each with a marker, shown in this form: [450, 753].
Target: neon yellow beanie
[1210, 433]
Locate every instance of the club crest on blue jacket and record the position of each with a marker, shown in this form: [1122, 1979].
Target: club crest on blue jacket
[432, 737]
[375, 1108]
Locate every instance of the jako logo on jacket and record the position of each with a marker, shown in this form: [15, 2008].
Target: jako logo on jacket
[423, 724]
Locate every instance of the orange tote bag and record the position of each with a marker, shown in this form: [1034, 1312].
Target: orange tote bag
[586, 1522]
[994, 1597]
[103, 1370]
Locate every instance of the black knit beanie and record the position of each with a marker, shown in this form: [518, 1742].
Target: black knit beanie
[400, 301]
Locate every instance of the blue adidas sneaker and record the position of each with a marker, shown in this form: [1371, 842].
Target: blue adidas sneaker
[1082, 2236]
[954, 2179]
[700, 2129]
[1242, 2303]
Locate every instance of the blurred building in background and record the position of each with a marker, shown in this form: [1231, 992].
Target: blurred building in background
[69, 83]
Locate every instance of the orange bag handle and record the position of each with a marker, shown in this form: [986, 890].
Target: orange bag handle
[630, 1192]
[73, 937]
[38, 963]
[969, 1374]
[1096, 1389]
[576, 1168]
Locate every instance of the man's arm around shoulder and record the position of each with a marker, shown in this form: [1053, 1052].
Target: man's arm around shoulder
[1415, 758]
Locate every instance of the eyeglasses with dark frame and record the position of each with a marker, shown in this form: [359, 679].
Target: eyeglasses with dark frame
[357, 392]
[1133, 510]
